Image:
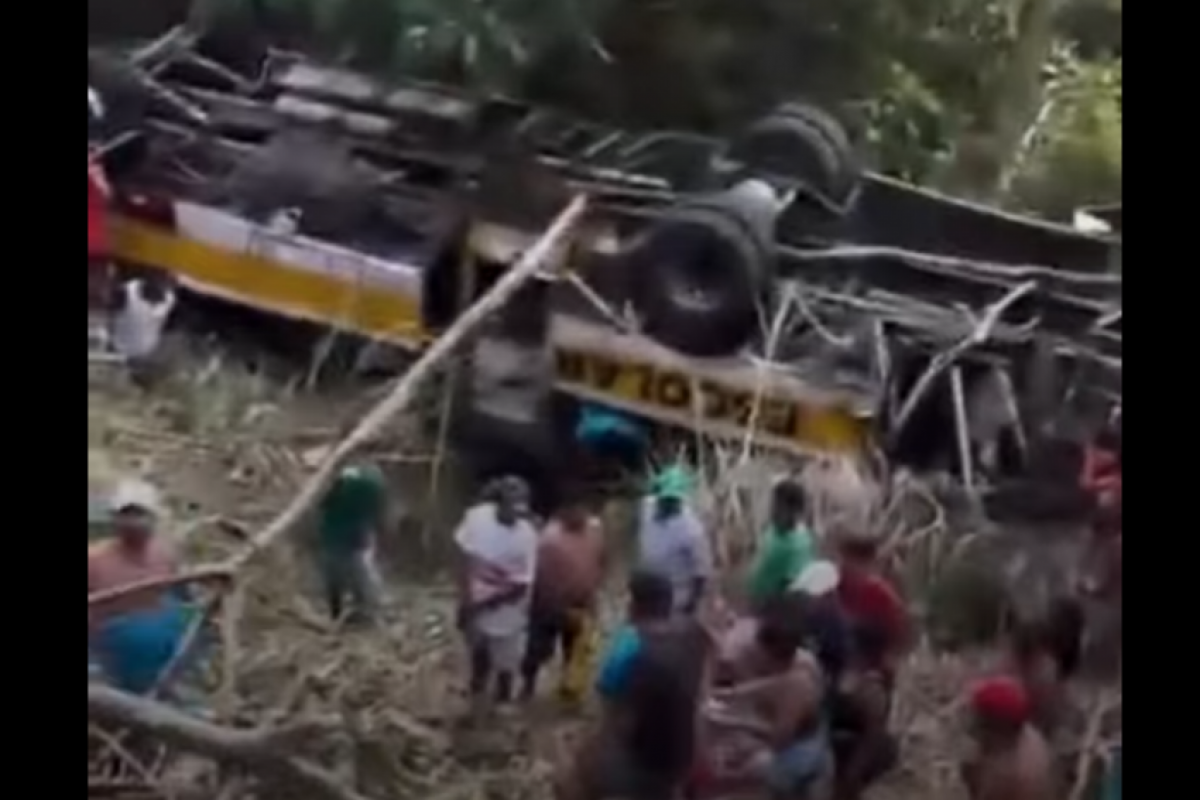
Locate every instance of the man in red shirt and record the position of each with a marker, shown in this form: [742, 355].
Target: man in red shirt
[879, 627]
[870, 600]
[1012, 761]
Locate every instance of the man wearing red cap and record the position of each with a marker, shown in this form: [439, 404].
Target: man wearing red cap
[1013, 760]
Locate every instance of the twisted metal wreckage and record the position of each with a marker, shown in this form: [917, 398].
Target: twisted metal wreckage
[764, 282]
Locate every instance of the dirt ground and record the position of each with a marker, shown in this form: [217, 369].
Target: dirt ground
[228, 449]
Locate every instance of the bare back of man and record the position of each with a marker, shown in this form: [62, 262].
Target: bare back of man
[1014, 760]
[756, 728]
[765, 730]
[1026, 772]
[571, 562]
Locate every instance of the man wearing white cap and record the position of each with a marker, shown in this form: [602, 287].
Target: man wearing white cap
[819, 579]
[135, 636]
[826, 623]
[133, 553]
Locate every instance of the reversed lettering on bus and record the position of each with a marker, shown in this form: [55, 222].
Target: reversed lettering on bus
[678, 393]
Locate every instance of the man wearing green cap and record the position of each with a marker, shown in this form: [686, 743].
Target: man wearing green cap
[672, 541]
[350, 517]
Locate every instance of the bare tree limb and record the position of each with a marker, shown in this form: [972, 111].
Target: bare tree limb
[258, 749]
[947, 358]
[210, 574]
[962, 429]
[173, 41]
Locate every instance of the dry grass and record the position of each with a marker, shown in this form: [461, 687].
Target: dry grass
[229, 448]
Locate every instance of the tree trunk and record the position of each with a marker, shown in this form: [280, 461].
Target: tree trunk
[984, 156]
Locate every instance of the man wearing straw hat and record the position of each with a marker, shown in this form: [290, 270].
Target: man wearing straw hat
[672, 541]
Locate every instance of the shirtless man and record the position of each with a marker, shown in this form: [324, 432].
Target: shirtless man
[134, 636]
[1013, 761]
[132, 554]
[497, 562]
[1044, 654]
[570, 572]
[767, 728]
[880, 630]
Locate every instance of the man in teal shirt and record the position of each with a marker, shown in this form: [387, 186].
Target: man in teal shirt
[350, 517]
[786, 548]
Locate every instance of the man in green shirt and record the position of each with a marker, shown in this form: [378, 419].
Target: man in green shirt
[350, 517]
[787, 546]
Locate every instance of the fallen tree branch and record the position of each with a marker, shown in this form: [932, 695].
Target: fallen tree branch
[211, 574]
[173, 41]
[113, 744]
[962, 430]
[952, 264]
[183, 650]
[261, 749]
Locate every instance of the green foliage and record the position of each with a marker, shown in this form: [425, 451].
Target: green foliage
[938, 90]
[486, 42]
[966, 606]
[1078, 160]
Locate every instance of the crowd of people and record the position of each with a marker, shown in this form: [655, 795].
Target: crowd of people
[780, 687]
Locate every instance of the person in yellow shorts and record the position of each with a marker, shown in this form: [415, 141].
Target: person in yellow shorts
[570, 572]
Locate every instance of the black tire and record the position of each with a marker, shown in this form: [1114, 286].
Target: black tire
[804, 143]
[833, 132]
[696, 280]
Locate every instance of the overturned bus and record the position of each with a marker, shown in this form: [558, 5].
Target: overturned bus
[762, 287]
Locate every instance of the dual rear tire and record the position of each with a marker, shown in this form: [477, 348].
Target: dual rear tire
[699, 276]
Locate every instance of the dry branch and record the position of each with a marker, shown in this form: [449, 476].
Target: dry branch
[210, 574]
[247, 748]
[981, 332]
[1093, 747]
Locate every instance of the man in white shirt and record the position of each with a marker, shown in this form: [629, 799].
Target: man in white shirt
[672, 541]
[140, 316]
[498, 560]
